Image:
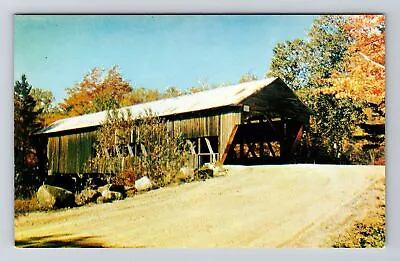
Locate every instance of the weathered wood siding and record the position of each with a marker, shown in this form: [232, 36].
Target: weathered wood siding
[279, 100]
[199, 125]
[69, 153]
[227, 123]
[218, 123]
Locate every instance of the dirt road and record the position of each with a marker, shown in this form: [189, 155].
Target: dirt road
[260, 206]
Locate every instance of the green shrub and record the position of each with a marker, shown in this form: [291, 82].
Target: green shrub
[157, 152]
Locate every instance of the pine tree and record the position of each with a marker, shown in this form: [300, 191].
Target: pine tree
[25, 124]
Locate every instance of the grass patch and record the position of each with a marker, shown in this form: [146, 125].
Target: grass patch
[24, 206]
[368, 232]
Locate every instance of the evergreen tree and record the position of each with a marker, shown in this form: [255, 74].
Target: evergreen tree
[25, 124]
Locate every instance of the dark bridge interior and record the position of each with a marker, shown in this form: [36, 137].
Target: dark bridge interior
[265, 142]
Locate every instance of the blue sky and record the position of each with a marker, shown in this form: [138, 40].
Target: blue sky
[55, 52]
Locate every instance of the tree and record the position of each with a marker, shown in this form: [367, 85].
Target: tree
[247, 77]
[172, 92]
[98, 91]
[327, 44]
[308, 63]
[140, 95]
[307, 66]
[26, 123]
[362, 77]
[48, 113]
[195, 89]
[288, 63]
[329, 137]
[43, 99]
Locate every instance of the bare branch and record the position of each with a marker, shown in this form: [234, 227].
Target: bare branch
[370, 60]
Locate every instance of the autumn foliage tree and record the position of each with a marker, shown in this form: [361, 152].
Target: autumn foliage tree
[363, 70]
[338, 71]
[99, 90]
[305, 65]
[102, 90]
[362, 79]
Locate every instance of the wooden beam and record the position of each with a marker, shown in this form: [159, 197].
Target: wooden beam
[199, 145]
[262, 149]
[251, 147]
[229, 143]
[198, 152]
[212, 155]
[271, 149]
[232, 152]
[268, 119]
[241, 148]
[296, 140]
[209, 146]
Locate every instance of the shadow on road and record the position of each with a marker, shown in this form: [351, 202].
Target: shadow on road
[58, 241]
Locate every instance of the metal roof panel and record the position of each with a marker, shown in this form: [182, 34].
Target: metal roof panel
[214, 98]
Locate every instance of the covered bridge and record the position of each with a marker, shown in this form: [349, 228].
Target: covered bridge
[256, 122]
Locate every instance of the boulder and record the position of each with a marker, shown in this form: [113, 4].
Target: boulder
[143, 184]
[130, 191]
[55, 197]
[217, 170]
[186, 173]
[67, 182]
[102, 199]
[108, 196]
[118, 188]
[104, 188]
[112, 187]
[204, 173]
[116, 195]
[87, 195]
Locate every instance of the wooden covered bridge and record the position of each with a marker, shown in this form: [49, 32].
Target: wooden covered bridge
[256, 122]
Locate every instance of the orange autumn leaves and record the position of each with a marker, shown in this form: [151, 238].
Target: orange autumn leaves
[362, 72]
[98, 91]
